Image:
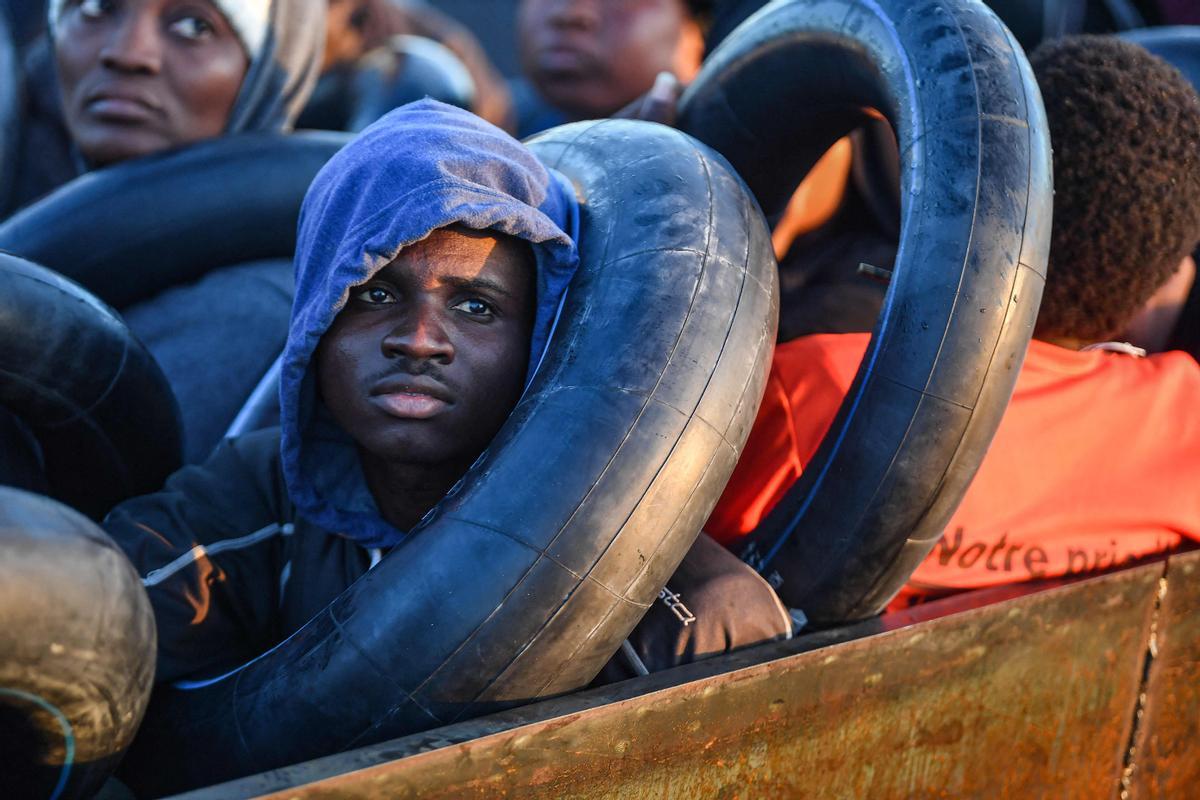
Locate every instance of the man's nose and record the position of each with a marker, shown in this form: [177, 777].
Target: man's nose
[584, 14]
[421, 334]
[135, 44]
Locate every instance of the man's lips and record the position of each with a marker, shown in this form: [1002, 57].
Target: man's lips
[411, 399]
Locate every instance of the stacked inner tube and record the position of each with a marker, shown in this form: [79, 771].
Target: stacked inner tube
[75, 379]
[523, 582]
[77, 638]
[965, 289]
[128, 232]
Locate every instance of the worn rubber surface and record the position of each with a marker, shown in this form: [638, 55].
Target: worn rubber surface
[10, 109]
[130, 231]
[78, 642]
[975, 234]
[525, 579]
[93, 397]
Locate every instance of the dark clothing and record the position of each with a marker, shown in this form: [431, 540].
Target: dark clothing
[232, 570]
[820, 287]
[214, 340]
[45, 157]
[713, 604]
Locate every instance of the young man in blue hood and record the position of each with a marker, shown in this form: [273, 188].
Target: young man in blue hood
[433, 256]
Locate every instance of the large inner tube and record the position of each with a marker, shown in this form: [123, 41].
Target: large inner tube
[130, 231]
[524, 581]
[98, 405]
[964, 293]
[77, 643]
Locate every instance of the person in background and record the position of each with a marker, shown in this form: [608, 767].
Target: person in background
[589, 59]
[139, 77]
[184, 71]
[1097, 459]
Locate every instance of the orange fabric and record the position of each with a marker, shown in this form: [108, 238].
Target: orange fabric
[1096, 462]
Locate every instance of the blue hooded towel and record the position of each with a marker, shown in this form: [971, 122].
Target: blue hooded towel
[422, 167]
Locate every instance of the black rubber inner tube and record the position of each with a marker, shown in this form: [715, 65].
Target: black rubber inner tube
[130, 231]
[99, 407]
[78, 642]
[574, 518]
[965, 289]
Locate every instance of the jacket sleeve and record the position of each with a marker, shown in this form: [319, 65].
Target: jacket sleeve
[208, 549]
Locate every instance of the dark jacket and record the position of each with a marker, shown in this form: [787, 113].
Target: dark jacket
[230, 567]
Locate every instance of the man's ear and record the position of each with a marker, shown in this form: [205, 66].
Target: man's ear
[1152, 327]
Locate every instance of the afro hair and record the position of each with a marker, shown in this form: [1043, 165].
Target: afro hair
[1125, 128]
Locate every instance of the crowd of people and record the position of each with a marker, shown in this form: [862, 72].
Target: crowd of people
[433, 252]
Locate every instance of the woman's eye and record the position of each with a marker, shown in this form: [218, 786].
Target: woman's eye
[474, 307]
[95, 8]
[191, 27]
[375, 295]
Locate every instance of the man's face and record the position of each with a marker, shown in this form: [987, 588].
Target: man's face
[140, 76]
[590, 58]
[427, 359]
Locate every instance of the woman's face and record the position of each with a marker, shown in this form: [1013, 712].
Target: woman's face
[140, 76]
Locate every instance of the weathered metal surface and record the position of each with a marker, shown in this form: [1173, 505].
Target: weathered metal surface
[1030, 696]
[1165, 762]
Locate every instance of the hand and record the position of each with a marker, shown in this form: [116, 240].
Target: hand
[660, 104]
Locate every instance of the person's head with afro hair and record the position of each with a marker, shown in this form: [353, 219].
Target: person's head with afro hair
[1125, 128]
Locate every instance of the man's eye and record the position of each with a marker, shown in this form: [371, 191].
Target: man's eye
[95, 8]
[375, 295]
[474, 307]
[191, 27]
